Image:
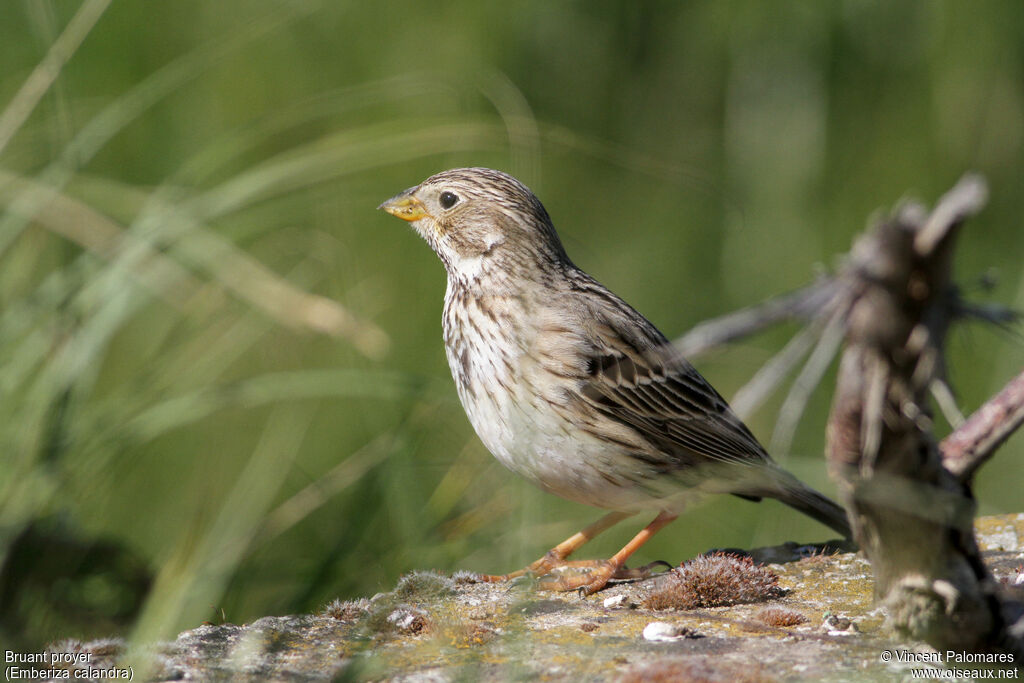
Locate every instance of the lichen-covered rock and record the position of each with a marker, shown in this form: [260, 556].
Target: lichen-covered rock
[817, 621]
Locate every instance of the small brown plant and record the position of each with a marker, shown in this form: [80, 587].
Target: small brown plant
[714, 580]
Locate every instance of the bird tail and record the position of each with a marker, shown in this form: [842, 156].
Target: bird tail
[797, 495]
[817, 506]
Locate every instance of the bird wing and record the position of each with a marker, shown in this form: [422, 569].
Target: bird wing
[635, 376]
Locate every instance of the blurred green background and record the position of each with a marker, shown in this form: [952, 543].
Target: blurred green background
[223, 392]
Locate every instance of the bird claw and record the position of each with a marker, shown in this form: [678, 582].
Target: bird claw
[584, 577]
[589, 576]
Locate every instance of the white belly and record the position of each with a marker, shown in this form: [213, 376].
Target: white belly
[527, 435]
[518, 410]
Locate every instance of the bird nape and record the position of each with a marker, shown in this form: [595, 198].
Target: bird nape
[567, 385]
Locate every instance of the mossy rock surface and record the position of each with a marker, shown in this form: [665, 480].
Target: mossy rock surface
[817, 622]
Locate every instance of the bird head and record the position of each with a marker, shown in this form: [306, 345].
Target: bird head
[479, 220]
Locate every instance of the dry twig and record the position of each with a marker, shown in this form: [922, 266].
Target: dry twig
[966, 449]
[912, 516]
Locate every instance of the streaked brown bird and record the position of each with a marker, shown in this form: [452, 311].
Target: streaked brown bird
[569, 386]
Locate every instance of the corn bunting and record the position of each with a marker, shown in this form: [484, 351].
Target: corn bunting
[569, 386]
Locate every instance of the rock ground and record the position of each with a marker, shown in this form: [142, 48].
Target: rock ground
[817, 622]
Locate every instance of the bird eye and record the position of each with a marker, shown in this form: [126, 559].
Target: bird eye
[448, 199]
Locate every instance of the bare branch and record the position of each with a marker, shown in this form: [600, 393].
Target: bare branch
[753, 393]
[804, 303]
[946, 401]
[995, 314]
[911, 516]
[909, 505]
[966, 198]
[966, 449]
[809, 378]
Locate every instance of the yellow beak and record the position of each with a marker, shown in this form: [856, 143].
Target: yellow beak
[405, 206]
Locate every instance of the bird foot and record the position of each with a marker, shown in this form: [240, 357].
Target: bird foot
[590, 576]
[585, 576]
[544, 565]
